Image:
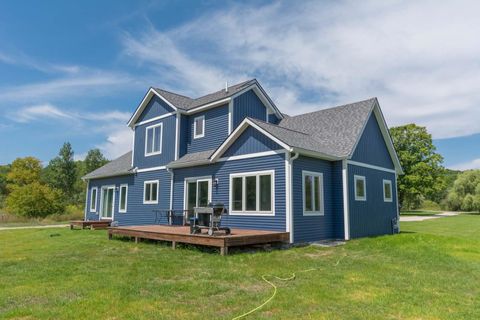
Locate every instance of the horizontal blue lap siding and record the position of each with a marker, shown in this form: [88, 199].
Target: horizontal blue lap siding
[248, 105]
[373, 216]
[216, 129]
[337, 199]
[313, 228]
[222, 171]
[183, 132]
[371, 148]
[168, 144]
[251, 141]
[137, 212]
[272, 118]
[155, 108]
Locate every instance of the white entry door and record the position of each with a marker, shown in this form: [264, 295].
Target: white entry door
[198, 192]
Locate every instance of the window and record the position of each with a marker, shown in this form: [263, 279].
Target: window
[93, 199]
[122, 207]
[312, 193]
[153, 139]
[199, 127]
[150, 192]
[387, 191]
[252, 193]
[360, 188]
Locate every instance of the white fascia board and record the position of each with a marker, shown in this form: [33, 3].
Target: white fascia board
[370, 166]
[237, 132]
[315, 154]
[108, 176]
[208, 106]
[151, 92]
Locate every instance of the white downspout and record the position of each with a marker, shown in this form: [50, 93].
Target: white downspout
[289, 186]
[346, 214]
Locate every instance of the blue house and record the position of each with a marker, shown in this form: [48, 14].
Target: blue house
[328, 174]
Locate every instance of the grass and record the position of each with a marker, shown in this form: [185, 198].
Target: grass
[419, 213]
[430, 271]
[8, 220]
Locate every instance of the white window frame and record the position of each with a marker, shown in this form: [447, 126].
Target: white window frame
[257, 212]
[389, 183]
[321, 191]
[120, 198]
[100, 213]
[196, 180]
[361, 178]
[94, 209]
[145, 189]
[148, 154]
[195, 136]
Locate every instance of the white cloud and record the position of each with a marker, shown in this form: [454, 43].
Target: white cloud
[118, 141]
[32, 113]
[419, 58]
[474, 164]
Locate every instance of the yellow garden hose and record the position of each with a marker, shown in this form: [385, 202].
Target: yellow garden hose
[264, 278]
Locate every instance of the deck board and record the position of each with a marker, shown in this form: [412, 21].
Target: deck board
[181, 234]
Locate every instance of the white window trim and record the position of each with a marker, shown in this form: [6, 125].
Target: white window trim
[195, 136]
[94, 209]
[389, 183]
[362, 178]
[145, 188]
[197, 180]
[244, 199]
[120, 198]
[322, 193]
[148, 154]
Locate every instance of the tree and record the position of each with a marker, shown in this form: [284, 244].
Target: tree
[3, 183]
[94, 160]
[61, 172]
[34, 200]
[424, 175]
[465, 194]
[24, 171]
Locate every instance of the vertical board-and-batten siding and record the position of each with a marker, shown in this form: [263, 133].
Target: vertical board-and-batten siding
[216, 129]
[329, 225]
[374, 216]
[251, 141]
[371, 148]
[222, 171]
[137, 212]
[248, 105]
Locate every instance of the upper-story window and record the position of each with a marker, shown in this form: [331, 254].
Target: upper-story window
[153, 139]
[199, 127]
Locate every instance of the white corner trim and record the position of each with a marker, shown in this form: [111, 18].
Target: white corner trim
[360, 178]
[177, 135]
[230, 116]
[202, 121]
[370, 166]
[123, 185]
[288, 213]
[346, 213]
[133, 145]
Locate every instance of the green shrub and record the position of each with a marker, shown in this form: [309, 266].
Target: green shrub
[430, 205]
[34, 200]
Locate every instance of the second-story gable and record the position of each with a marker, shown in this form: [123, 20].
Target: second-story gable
[155, 108]
[248, 104]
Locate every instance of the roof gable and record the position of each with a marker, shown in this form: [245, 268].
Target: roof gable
[251, 141]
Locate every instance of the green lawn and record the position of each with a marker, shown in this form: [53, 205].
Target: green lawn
[419, 213]
[431, 271]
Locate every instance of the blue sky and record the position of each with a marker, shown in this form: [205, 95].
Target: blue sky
[75, 71]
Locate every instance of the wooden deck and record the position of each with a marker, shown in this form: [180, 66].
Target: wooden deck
[102, 224]
[181, 234]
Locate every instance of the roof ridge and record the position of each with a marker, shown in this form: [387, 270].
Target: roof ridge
[278, 126]
[332, 108]
[234, 85]
[181, 95]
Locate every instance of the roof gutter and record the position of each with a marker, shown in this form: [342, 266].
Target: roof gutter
[188, 164]
[315, 154]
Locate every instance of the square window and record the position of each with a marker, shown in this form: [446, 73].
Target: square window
[150, 192]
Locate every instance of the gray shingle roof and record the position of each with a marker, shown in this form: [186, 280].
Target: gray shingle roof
[334, 131]
[187, 103]
[118, 167]
[191, 158]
